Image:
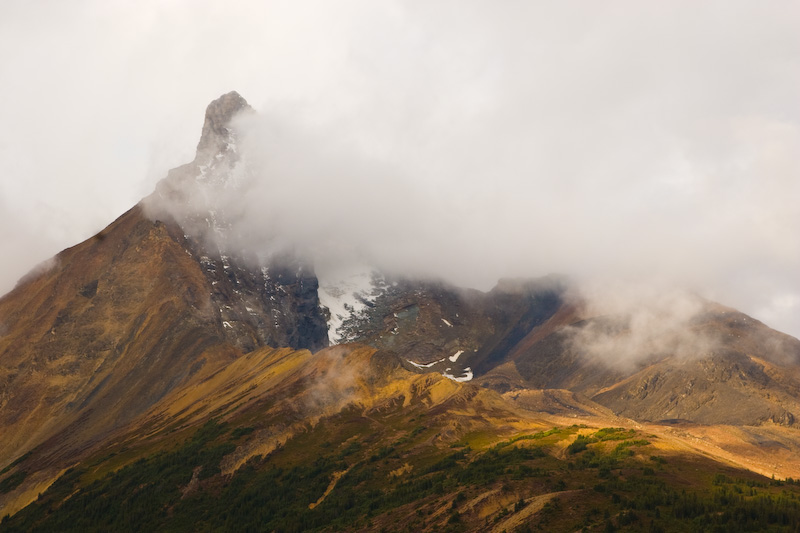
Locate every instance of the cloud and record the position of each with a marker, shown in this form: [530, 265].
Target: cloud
[634, 322]
[608, 141]
[335, 385]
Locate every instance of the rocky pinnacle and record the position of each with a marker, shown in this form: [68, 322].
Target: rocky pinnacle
[216, 127]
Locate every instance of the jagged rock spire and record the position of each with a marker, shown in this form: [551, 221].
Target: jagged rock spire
[263, 297]
[215, 157]
[216, 127]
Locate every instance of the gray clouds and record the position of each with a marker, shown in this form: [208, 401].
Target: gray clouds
[462, 139]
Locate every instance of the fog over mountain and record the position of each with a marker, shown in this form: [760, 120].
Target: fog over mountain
[616, 143]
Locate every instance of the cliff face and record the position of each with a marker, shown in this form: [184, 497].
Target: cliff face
[274, 305]
[265, 298]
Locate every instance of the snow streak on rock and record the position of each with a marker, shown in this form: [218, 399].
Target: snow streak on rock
[347, 297]
[467, 374]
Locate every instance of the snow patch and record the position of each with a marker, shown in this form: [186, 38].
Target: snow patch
[454, 357]
[426, 365]
[466, 377]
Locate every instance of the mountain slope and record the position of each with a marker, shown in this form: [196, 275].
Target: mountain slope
[737, 371]
[346, 440]
[721, 367]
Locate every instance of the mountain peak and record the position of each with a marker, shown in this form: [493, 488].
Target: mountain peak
[216, 127]
[216, 155]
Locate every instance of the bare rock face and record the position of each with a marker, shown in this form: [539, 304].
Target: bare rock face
[182, 194]
[217, 132]
[274, 305]
[431, 326]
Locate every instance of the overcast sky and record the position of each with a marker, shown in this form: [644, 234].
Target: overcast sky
[473, 140]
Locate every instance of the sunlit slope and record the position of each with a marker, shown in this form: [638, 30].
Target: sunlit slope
[347, 440]
[294, 390]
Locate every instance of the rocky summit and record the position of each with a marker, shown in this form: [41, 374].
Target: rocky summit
[159, 376]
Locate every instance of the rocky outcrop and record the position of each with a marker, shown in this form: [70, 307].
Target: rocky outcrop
[218, 135]
[269, 298]
[275, 305]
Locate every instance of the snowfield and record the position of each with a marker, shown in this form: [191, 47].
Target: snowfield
[345, 295]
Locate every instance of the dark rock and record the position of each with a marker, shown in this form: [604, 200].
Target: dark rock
[89, 290]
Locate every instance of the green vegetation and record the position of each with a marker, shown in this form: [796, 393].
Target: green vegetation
[535, 436]
[605, 434]
[578, 445]
[602, 485]
[241, 432]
